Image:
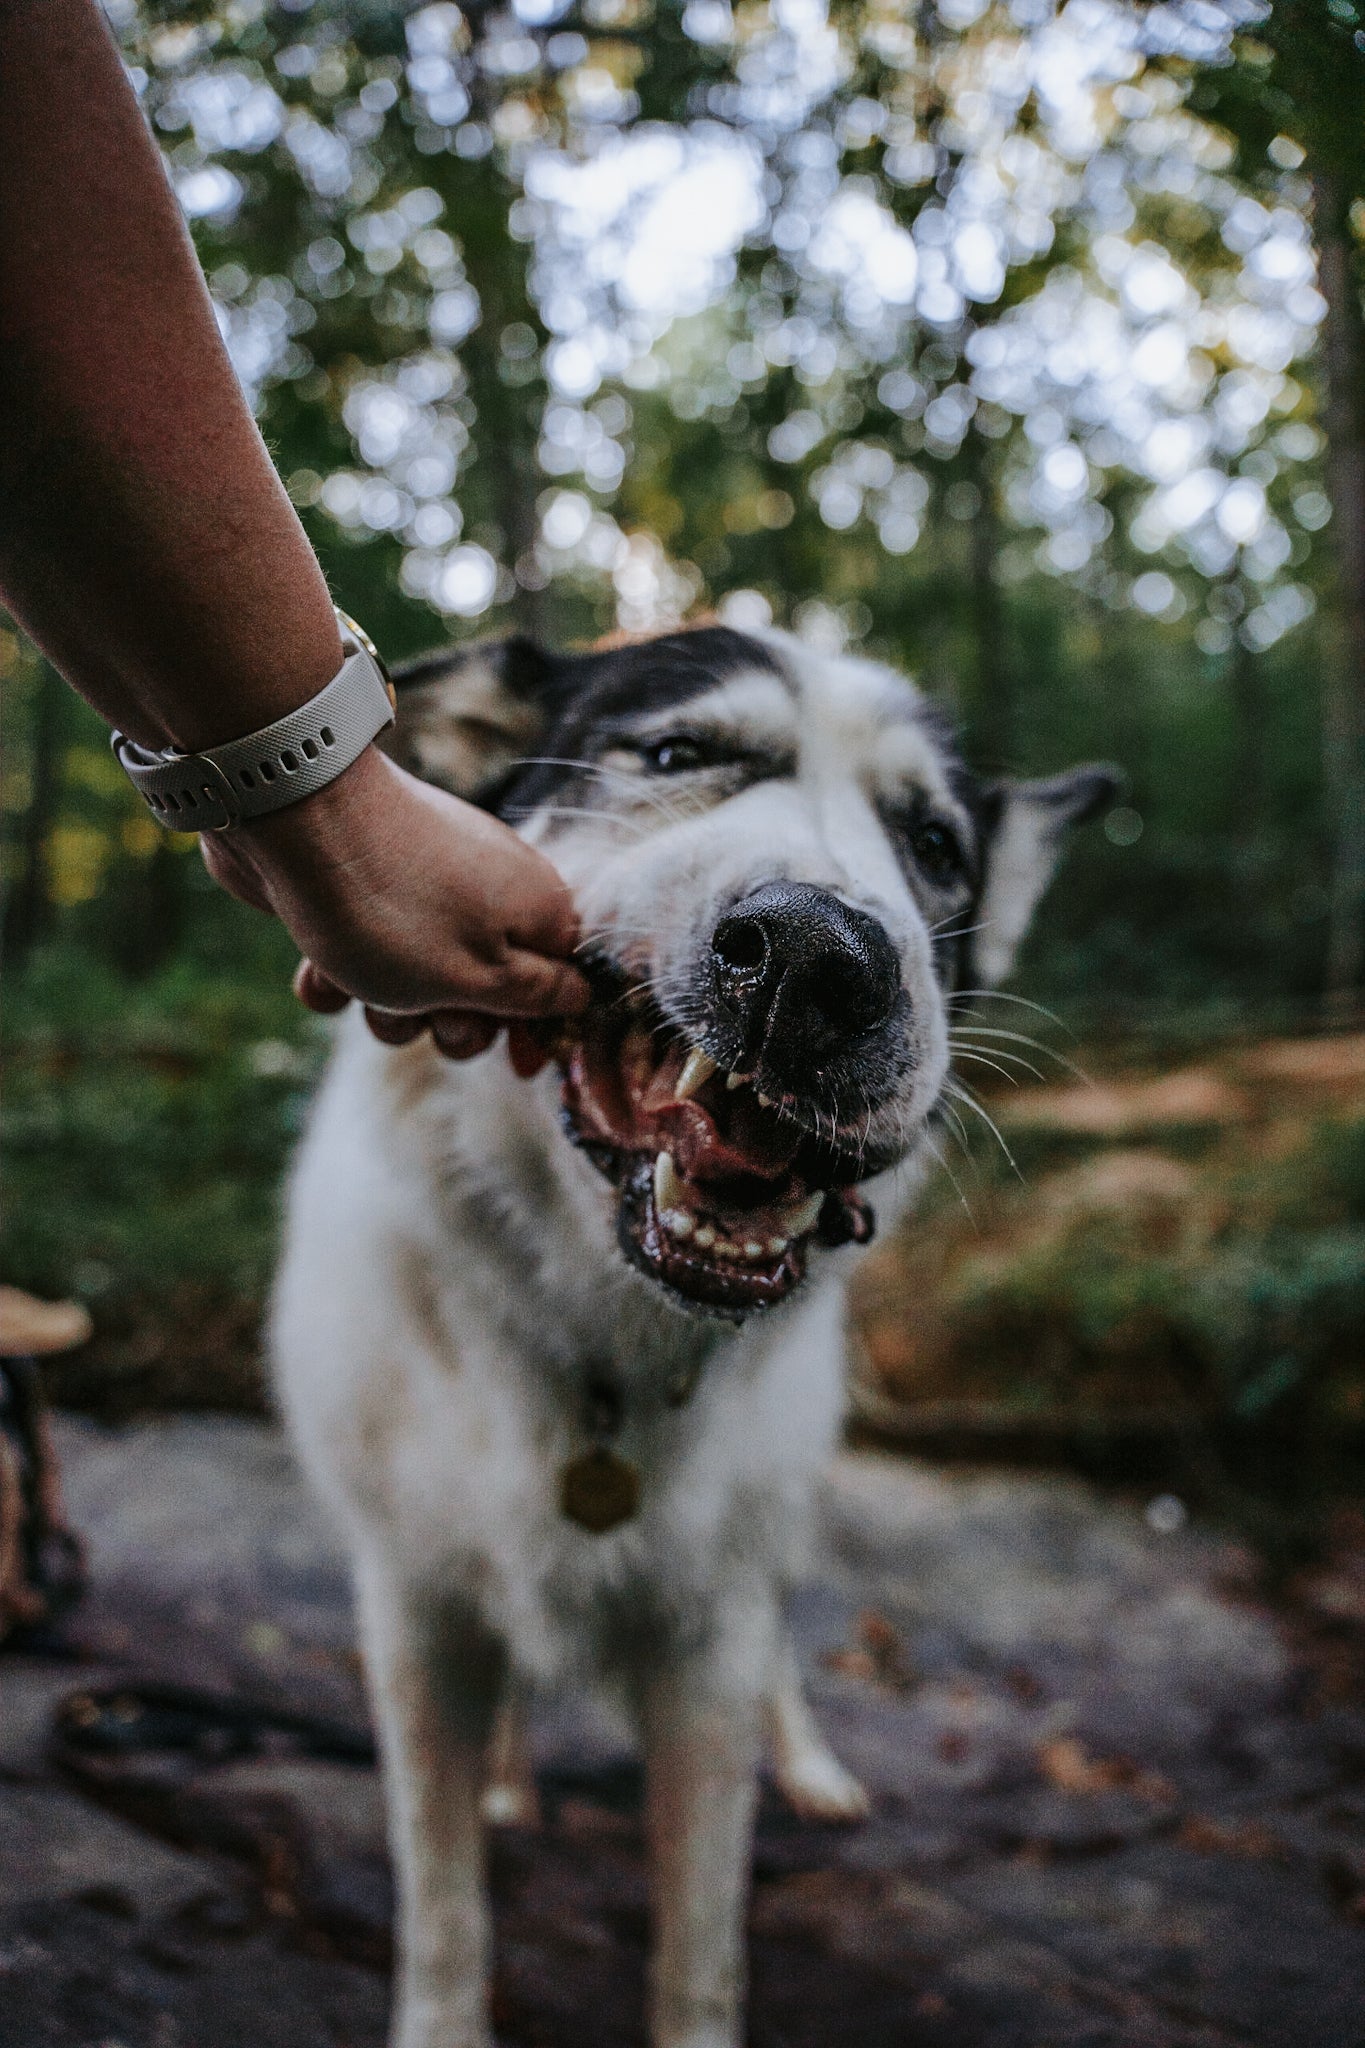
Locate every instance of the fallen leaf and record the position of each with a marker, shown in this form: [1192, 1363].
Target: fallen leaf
[1066, 1765]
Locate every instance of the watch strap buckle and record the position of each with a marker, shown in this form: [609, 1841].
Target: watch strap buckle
[184, 792]
[219, 787]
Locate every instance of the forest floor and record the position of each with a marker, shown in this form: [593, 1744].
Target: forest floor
[1118, 1788]
[1165, 1251]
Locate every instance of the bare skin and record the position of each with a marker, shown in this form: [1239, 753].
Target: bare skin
[148, 546]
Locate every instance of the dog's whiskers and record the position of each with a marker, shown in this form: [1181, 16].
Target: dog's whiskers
[964, 1095]
[982, 1060]
[652, 797]
[957, 1185]
[994, 1056]
[556, 811]
[1000, 995]
[959, 1131]
[974, 1031]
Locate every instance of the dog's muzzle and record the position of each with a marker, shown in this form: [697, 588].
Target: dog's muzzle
[796, 977]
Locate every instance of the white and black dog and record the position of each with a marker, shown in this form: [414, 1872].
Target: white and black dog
[566, 1354]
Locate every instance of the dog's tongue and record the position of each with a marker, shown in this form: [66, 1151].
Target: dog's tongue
[623, 1095]
[753, 1144]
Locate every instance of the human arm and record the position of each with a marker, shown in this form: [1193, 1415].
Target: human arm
[148, 546]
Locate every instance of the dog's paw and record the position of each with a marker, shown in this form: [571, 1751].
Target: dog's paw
[510, 1804]
[817, 1787]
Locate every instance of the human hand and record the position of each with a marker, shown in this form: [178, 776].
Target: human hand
[424, 908]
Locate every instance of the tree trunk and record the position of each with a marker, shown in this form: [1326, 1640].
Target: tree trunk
[508, 414]
[994, 711]
[1250, 743]
[1343, 711]
[29, 905]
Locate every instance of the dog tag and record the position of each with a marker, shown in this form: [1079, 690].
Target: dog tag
[599, 1490]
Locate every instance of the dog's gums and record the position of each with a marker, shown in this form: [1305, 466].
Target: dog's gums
[721, 1189]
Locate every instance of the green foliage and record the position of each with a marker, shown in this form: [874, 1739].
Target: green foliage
[842, 434]
[1211, 1269]
[147, 1125]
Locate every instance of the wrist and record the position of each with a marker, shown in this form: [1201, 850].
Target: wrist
[327, 827]
[276, 766]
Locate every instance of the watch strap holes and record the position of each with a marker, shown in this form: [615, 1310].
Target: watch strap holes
[289, 761]
[309, 750]
[246, 778]
[267, 771]
[327, 736]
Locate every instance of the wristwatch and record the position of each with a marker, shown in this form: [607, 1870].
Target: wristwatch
[302, 752]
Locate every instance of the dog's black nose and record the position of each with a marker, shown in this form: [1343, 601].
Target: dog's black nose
[798, 974]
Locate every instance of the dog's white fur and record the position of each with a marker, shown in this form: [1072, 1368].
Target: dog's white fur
[451, 1264]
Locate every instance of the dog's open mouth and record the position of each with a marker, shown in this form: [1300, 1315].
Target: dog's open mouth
[722, 1191]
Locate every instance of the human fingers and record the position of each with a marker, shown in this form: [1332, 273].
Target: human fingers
[460, 1034]
[543, 918]
[317, 991]
[392, 1029]
[526, 984]
[527, 1050]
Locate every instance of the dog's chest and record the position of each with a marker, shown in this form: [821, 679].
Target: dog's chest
[456, 1339]
[580, 1512]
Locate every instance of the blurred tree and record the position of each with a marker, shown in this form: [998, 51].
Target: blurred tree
[980, 336]
[1295, 91]
[1014, 341]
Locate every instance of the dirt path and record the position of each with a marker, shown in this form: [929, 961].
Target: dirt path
[1117, 1800]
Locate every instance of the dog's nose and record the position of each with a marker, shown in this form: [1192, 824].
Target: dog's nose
[797, 973]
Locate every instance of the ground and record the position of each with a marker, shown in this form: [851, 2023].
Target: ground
[1118, 1796]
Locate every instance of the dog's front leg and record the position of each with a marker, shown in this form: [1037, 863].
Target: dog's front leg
[701, 1713]
[435, 1681]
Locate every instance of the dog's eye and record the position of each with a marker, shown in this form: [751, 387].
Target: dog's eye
[674, 755]
[937, 853]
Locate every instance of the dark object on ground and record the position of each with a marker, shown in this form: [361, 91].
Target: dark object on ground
[1119, 1799]
[41, 1559]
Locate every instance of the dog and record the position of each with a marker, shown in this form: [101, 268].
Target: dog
[565, 1354]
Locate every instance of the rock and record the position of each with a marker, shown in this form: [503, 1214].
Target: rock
[1110, 1809]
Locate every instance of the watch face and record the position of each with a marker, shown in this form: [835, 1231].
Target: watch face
[362, 638]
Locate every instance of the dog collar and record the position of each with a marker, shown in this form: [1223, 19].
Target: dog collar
[600, 1488]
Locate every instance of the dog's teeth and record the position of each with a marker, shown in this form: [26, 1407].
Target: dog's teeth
[776, 1246]
[765, 1101]
[698, 1068]
[753, 1249]
[704, 1237]
[668, 1189]
[726, 1250]
[802, 1217]
[677, 1223]
[736, 1080]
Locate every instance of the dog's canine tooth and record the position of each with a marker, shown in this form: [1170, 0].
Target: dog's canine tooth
[802, 1217]
[764, 1101]
[698, 1068]
[677, 1223]
[736, 1080]
[668, 1189]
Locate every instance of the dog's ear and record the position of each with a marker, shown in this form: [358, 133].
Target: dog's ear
[1023, 827]
[468, 715]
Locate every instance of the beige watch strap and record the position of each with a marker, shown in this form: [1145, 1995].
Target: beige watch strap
[302, 752]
